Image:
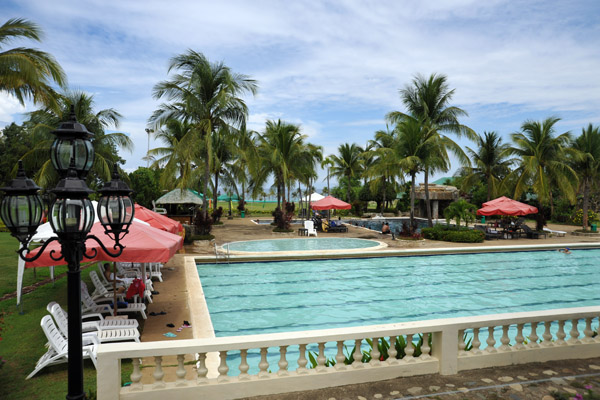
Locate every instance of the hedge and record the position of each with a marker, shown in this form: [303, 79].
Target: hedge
[447, 234]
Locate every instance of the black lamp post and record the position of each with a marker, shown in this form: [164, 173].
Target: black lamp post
[71, 215]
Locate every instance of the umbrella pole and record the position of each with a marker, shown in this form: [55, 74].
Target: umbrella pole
[115, 289]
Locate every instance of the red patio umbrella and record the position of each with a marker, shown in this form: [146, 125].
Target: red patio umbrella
[143, 244]
[330, 203]
[157, 220]
[505, 206]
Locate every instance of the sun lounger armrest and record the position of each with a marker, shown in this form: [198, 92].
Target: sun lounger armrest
[93, 315]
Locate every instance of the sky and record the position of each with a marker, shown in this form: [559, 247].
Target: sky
[334, 67]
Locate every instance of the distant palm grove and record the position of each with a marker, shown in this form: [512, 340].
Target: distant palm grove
[205, 145]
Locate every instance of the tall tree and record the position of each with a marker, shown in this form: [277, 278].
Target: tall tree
[206, 95]
[587, 163]
[491, 163]
[279, 148]
[347, 164]
[543, 163]
[428, 101]
[106, 145]
[28, 73]
[384, 168]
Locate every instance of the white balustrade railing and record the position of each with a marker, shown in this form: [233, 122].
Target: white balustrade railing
[247, 366]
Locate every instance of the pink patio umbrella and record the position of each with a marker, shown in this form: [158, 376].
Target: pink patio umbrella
[505, 206]
[157, 220]
[143, 244]
[330, 203]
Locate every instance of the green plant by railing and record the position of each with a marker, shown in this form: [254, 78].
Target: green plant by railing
[578, 217]
[383, 347]
[447, 234]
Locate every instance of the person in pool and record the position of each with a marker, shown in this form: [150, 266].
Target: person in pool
[565, 250]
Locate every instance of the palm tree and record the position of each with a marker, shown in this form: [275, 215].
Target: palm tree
[177, 155]
[347, 164]
[28, 73]
[543, 162]
[279, 147]
[384, 166]
[206, 95]
[460, 210]
[588, 163]
[491, 163]
[44, 121]
[427, 100]
[327, 162]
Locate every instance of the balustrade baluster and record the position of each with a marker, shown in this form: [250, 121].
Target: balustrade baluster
[476, 348]
[263, 365]
[547, 335]
[561, 335]
[425, 349]
[410, 349]
[519, 339]
[505, 339]
[574, 333]
[283, 364]
[158, 373]
[136, 376]
[491, 342]
[533, 337]
[202, 370]
[321, 359]
[588, 332]
[302, 361]
[180, 371]
[461, 343]
[223, 368]
[357, 356]
[339, 357]
[244, 367]
[392, 352]
[375, 354]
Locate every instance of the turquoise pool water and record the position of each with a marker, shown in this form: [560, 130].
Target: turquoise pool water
[301, 244]
[250, 298]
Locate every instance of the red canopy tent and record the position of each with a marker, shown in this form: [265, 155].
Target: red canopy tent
[505, 206]
[143, 244]
[330, 203]
[157, 220]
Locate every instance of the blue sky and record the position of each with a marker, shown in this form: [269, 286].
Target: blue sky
[333, 67]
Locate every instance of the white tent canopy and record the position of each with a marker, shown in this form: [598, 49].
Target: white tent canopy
[43, 233]
[314, 197]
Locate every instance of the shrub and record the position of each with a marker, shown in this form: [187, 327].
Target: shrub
[578, 217]
[216, 214]
[203, 225]
[282, 220]
[241, 205]
[446, 234]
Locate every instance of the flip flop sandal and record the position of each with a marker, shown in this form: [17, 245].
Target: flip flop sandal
[171, 325]
[169, 334]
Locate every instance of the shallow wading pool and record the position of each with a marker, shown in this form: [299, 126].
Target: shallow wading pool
[300, 244]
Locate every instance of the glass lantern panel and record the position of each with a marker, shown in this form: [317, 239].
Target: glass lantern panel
[115, 210]
[84, 154]
[72, 215]
[61, 154]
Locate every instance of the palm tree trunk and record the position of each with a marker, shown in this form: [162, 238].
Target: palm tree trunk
[328, 189]
[383, 206]
[586, 202]
[205, 188]
[427, 202]
[413, 177]
[489, 189]
[348, 191]
[551, 206]
[216, 191]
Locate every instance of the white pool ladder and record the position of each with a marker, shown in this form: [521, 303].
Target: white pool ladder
[220, 254]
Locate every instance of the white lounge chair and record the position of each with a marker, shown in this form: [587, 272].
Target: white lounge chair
[310, 228]
[100, 291]
[96, 321]
[103, 336]
[58, 347]
[155, 271]
[553, 232]
[88, 305]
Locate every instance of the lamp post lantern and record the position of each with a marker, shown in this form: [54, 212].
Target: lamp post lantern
[71, 215]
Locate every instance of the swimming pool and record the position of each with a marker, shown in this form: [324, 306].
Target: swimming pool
[249, 298]
[300, 244]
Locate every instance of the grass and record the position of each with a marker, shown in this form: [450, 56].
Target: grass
[22, 339]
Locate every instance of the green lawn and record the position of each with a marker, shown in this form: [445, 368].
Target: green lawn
[22, 339]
